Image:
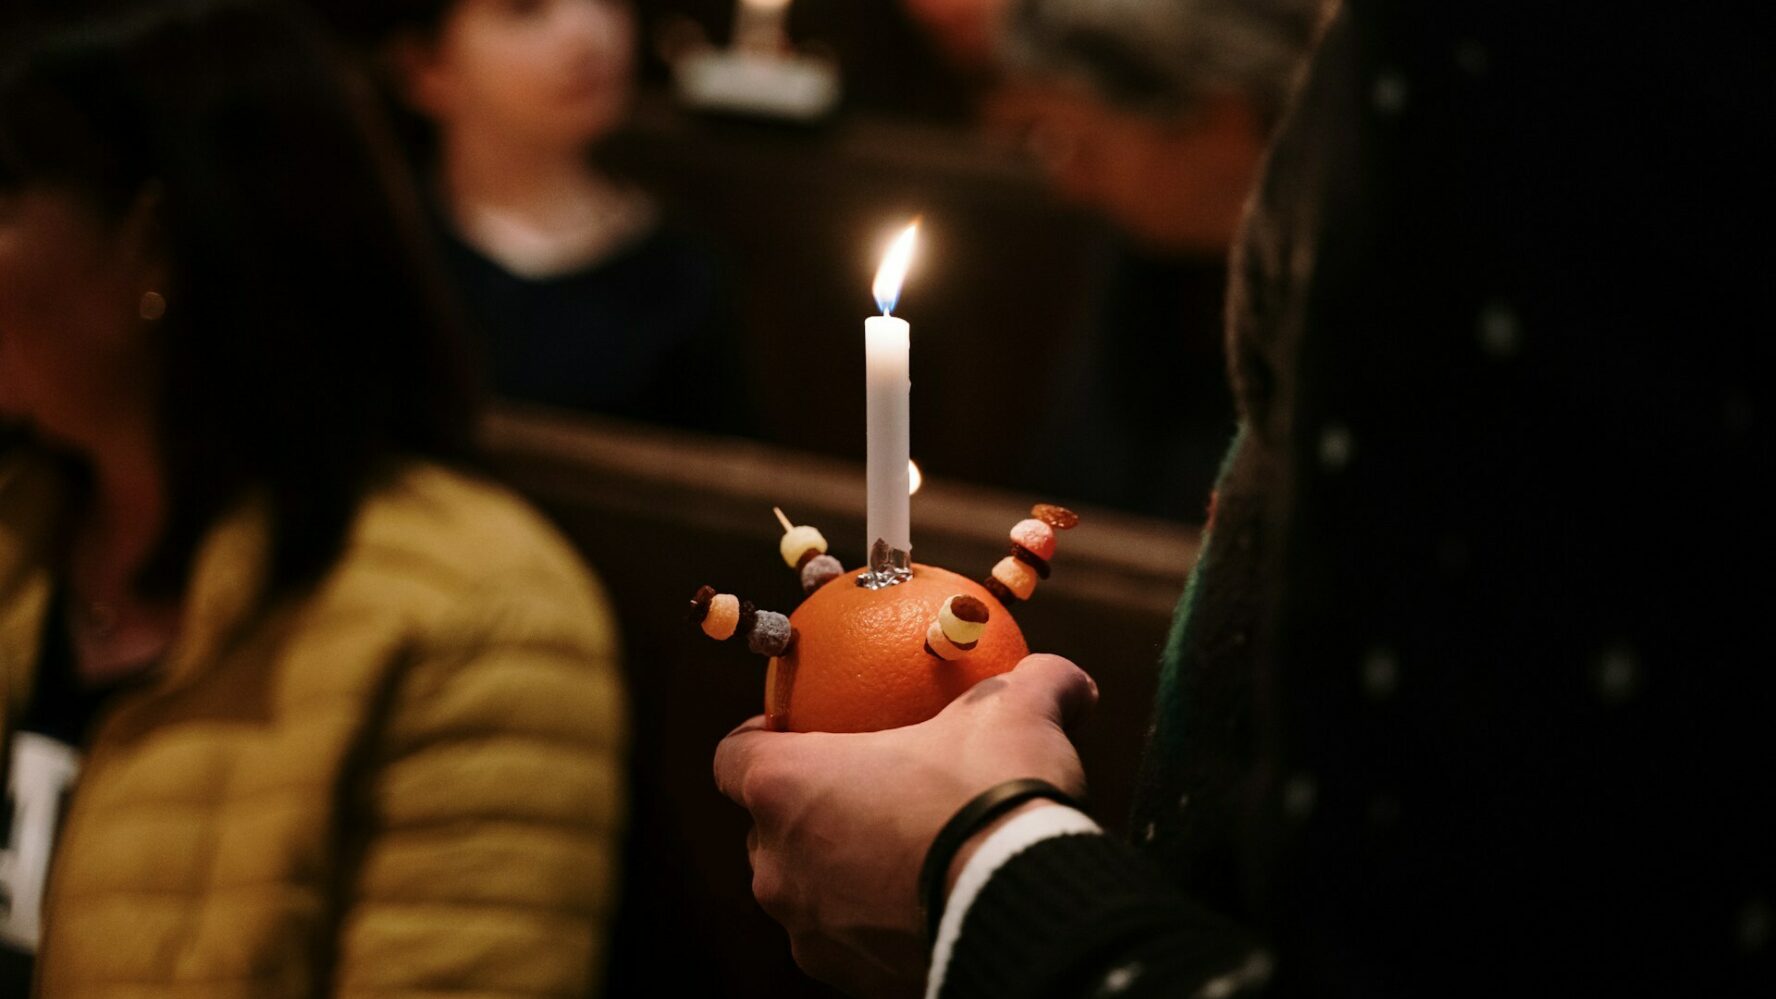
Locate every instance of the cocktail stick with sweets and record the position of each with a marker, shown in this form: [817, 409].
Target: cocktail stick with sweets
[853, 658]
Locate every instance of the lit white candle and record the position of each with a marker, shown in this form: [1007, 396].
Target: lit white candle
[887, 349]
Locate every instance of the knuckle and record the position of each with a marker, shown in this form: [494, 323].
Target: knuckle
[764, 885]
[769, 890]
[729, 767]
[764, 786]
[986, 691]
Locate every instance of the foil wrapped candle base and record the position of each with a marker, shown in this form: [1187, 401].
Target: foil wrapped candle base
[888, 566]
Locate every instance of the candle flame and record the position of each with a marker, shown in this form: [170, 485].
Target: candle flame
[914, 478]
[894, 269]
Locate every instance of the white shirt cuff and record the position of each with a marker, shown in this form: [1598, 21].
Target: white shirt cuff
[1007, 841]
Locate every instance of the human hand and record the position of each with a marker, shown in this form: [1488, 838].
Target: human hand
[841, 823]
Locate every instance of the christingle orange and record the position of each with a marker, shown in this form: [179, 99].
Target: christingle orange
[856, 659]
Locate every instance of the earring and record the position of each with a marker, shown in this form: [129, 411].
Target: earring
[152, 306]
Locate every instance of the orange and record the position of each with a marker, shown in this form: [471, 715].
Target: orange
[859, 662]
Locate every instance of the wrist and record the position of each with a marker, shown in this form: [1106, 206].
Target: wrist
[983, 811]
[1017, 835]
[973, 844]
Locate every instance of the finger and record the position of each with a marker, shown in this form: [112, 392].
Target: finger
[734, 756]
[1054, 687]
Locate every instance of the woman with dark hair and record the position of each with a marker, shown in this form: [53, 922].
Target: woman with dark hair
[328, 712]
[581, 293]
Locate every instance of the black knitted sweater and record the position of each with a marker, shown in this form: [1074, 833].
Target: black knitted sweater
[1471, 692]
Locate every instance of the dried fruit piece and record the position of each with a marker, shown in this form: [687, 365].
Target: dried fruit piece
[700, 603]
[1058, 517]
[1030, 559]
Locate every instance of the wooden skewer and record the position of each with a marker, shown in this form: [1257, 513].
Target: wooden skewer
[781, 519]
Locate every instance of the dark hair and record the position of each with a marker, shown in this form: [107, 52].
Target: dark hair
[373, 23]
[370, 31]
[306, 343]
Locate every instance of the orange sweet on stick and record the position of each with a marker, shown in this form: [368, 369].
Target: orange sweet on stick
[860, 664]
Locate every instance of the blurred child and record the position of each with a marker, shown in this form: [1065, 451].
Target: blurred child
[583, 297]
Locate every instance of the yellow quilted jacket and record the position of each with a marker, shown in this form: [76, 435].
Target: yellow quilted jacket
[408, 782]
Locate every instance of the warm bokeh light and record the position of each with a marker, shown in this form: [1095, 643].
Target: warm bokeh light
[894, 269]
[914, 478]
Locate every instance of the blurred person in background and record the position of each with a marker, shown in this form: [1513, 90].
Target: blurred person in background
[580, 292]
[1466, 695]
[295, 703]
[1154, 113]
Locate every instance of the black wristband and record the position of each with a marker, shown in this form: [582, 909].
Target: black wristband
[970, 819]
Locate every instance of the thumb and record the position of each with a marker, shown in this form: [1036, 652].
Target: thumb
[1051, 686]
[736, 754]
